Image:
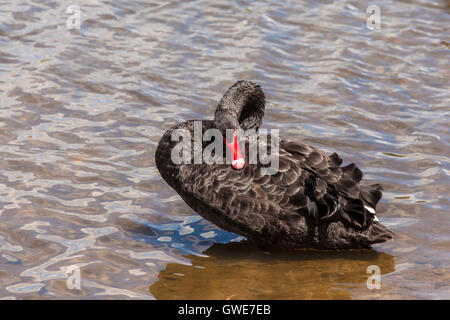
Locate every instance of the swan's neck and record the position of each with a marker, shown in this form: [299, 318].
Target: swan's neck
[242, 106]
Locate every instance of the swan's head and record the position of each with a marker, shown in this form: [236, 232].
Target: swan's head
[241, 107]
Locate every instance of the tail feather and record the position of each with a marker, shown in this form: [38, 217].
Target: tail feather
[372, 194]
[377, 233]
[339, 236]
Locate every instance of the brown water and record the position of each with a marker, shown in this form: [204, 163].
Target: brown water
[82, 110]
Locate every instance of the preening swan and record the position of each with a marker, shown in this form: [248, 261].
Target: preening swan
[310, 202]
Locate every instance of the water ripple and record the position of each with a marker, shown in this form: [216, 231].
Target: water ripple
[81, 113]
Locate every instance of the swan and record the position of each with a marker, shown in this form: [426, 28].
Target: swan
[310, 202]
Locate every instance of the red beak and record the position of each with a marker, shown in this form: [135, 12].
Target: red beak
[238, 161]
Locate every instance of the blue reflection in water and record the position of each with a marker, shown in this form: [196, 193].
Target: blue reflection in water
[190, 234]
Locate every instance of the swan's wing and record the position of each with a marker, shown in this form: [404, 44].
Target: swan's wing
[255, 204]
[334, 189]
[309, 185]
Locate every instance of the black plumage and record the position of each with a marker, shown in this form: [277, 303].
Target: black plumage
[311, 202]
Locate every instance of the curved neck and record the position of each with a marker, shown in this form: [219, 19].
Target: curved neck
[242, 106]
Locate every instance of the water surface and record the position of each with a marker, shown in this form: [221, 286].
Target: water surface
[82, 111]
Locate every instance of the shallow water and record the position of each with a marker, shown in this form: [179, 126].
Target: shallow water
[82, 110]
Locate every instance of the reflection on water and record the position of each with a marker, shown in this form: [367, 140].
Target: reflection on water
[241, 271]
[81, 112]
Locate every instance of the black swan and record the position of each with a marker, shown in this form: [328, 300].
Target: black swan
[310, 202]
